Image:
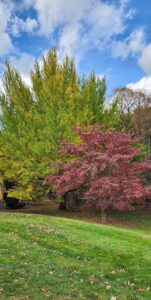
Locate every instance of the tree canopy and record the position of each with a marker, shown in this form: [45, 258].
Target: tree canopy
[135, 110]
[34, 119]
[102, 169]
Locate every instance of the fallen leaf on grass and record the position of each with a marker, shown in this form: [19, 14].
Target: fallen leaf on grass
[48, 294]
[25, 263]
[117, 271]
[140, 290]
[15, 281]
[43, 290]
[91, 279]
[144, 289]
[51, 273]
[120, 271]
[113, 272]
[108, 287]
[129, 283]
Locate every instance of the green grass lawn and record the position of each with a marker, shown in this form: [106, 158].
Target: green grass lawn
[44, 257]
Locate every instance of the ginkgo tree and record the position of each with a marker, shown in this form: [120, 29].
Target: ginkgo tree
[103, 170]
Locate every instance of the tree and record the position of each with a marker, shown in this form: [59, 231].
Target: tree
[17, 128]
[35, 119]
[129, 100]
[135, 108]
[141, 120]
[102, 169]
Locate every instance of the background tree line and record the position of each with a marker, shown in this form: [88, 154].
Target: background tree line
[135, 108]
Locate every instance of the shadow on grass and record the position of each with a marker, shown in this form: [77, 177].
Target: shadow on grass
[140, 218]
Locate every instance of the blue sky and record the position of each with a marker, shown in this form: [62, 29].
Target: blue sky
[112, 38]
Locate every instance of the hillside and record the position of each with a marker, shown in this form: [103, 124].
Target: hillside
[45, 257]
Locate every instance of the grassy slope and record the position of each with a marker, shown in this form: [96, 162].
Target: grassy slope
[52, 258]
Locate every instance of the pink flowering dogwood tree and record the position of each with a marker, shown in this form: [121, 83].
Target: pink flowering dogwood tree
[102, 169]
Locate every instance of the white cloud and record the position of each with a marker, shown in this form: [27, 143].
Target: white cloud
[82, 24]
[53, 14]
[6, 44]
[120, 49]
[106, 20]
[145, 59]
[20, 25]
[1, 84]
[69, 43]
[11, 24]
[24, 64]
[137, 41]
[5, 41]
[143, 85]
[133, 45]
[101, 76]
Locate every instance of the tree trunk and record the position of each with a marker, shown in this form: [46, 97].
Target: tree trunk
[63, 204]
[2, 205]
[103, 216]
[150, 143]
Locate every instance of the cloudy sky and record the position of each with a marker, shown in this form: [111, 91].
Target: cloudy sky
[112, 37]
